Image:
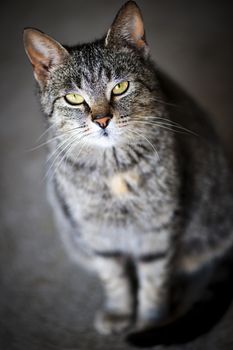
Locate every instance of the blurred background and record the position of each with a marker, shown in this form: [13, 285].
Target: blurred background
[47, 302]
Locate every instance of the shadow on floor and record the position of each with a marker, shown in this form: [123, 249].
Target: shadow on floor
[204, 315]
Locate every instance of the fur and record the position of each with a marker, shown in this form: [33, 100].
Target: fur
[152, 190]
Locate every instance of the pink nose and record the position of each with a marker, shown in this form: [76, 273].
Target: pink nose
[103, 121]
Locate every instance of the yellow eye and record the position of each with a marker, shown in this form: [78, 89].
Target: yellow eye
[74, 99]
[120, 88]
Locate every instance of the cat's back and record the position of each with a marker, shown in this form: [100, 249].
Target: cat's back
[206, 193]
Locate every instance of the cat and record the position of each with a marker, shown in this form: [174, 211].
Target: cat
[139, 182]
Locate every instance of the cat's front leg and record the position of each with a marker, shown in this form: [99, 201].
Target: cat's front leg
[153, 293]
[117, 314]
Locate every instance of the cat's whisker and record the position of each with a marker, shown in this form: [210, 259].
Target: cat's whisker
[44, 143]
[154, 117]
[175, 127]
[163, 119]
[167, 103]
[66, 144]
[66, 153]
[165, 126]
[77, 155]
[54, 138]
[46, 131]
[159, 118]
[145, 138]
[75, 133]
[56, 154]
[59, 146]
[72, 141]
[74, 145]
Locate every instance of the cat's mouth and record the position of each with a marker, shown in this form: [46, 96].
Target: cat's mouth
[104, 133]
[105, 138]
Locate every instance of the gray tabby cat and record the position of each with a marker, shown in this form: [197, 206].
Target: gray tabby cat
[131, 186]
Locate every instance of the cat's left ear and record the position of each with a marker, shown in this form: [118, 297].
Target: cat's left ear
[44, 53]
[128, 28]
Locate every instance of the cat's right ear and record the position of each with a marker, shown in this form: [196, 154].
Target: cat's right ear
[44, 53]
[128, 28]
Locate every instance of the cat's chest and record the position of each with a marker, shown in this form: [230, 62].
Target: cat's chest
[123, 198]
[106, 207]
[90, 194]
[123, 186]
[118, 198]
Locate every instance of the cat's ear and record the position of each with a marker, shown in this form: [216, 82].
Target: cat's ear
[128, 28]
[43, 52]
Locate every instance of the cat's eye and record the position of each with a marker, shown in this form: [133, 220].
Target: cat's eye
[74, 99]
[120, 88]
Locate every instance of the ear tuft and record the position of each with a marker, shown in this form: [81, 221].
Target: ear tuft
[43, 52]
[128, 28]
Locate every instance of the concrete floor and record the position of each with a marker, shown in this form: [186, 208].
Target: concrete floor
[47, 302]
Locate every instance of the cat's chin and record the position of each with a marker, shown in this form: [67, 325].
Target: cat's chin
[105, 139]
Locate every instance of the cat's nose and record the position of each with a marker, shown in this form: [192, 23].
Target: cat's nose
[102, 120]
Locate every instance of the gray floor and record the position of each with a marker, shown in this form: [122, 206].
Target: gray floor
[46, 302]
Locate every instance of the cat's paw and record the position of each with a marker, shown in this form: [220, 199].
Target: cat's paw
[108, 322]
[156, 316]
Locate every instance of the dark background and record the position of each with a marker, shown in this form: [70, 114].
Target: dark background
[47, 302]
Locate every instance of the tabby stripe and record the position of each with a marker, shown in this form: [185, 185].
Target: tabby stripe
[86, 77]
[143, 147]
[100, 73]
[151, 257]
[146, 258]
[162, 227]
[129, 187]
[63, 203]
[134, 160]
[115, 157]
[138, 153]
[108, 72]
[80, 165]
[50, 113]
[107, 254]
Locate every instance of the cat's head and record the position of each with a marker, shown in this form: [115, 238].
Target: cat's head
[99, 92]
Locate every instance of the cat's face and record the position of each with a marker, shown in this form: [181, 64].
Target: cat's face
[97, 94]
[102, 93]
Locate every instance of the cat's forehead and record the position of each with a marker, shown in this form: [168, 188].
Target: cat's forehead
[95, 65]
[96, 69]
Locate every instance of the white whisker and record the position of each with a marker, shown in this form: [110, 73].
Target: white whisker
[66, 153]
[60, 145]
[59, 150]
[44, 143]
[45, 132]
[57, 153]
[73, 144]
[165, 122]
[54, 138]
[145, 138]
[165, 126]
